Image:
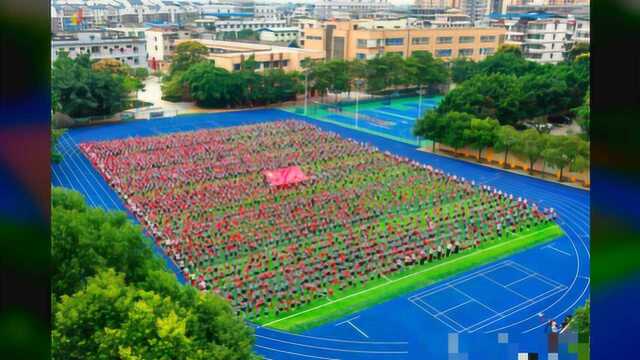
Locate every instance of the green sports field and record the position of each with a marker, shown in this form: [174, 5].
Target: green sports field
[358, 298]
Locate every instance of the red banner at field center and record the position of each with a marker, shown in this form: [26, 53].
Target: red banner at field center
[284, 176]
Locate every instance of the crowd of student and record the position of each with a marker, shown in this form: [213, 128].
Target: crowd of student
[362, 215]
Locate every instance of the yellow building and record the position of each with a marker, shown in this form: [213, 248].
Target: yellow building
[230, 54]
[352, 40]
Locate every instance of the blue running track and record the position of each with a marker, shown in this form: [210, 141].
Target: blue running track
[460, 318]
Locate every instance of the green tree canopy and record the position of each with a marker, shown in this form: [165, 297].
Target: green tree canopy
[186, 54]
[578, 48]
[481, 133]
[433, 126]
[457, 123]
[85, 240]
[506, 138]
[581, 322]
[112, 319]
[497, 96]
[584, 115]
[462, 69]
[81, 91]
[425, 70]
[531, 146]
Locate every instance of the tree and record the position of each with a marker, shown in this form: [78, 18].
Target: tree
[509, 49]
[457, 123]
[80, 90]
[543, 95]
[385, 71]
[508, 62]
[56, 157]
[531, 146]
[496, 96]
[426, 71]
[481, 133]
[581, 322]
[209, 85]
[186, 54]
[577, 49]
[338, 72]
[431, 126]
[506, 138]
[85, 240]
[112, 319]
[462, 69]
[584, 115]
[556, 153]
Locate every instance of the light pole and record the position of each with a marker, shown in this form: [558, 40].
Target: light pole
[358, 83]
[306, 87]
[420, 101]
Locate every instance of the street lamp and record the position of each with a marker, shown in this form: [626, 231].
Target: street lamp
[306, 87]
[420, 101]
[358, 83]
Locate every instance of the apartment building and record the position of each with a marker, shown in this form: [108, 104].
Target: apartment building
[236, 25]
[282, 34]
[99, 45]
[543, 37]
[229, 55]
[161, 43]
[347, 40]
[355, 9]
[582, 30]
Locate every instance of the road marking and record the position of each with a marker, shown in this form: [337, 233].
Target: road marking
[294, 353]
[558, 250]
[357, 329]
[353, 318]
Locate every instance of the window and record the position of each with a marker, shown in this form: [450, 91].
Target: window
[487, 51]
[465, 52]
[129, 46]
[420, 40]
[535, 36]
[362, 43]
[419, 51]
[487, 38]
[443, 52]
[361, 56]
[72, 49]
[95, 49]
[236, 67]
[466, 39]
[394, 41]
[399, 53]
[536, 26]
[444, 40]
[82, 49]
[310, 37]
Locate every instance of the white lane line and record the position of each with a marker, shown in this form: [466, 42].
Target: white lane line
[294, 353]
[331, 339]
[454, 307]
[437, 318]
[357, 329]
[385, 277]
[504, 287]
[353, 318]
[519, 280]
[558, 250]
[470, 297]
[330, 348]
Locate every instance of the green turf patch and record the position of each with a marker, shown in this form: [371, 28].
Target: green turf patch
[375, 292]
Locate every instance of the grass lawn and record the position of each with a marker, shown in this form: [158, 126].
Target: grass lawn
[357, 298]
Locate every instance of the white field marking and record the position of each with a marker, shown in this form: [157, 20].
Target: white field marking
[331, 339]
[519, 280]
[461, 279]
[470, 297]
[504, 287]
[385, 277]
[566, 310]
[93, 173]
[558, 250]
[396, 115]
[329, 299]
[538, 276]
[566, 327]
[88, 198]
[71, 157]
[517, 308]
[353, 318]
[475, 253]
[329, 348]
[453, 307]
[585, 277]
[575, 278]
[294, 353]
[357, 329]
[437, 317]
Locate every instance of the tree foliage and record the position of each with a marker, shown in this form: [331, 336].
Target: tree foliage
[481, 134]
[186, 54]
[584, 115]
[531, 146]
[497, 96]
[113, 299]
[462, 68]
[79, 90]
[506, 138]
[56, 157]
[432, 126]
[582, 322]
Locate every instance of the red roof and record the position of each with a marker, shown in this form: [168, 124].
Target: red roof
[284, 176]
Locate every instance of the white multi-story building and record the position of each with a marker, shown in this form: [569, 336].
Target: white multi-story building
[543, 37]
[450, 18]
[99, 45]
[582, 30]
[287, 34]
[326, 9]
[161, 42]
[236, 25]
[476, 9]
